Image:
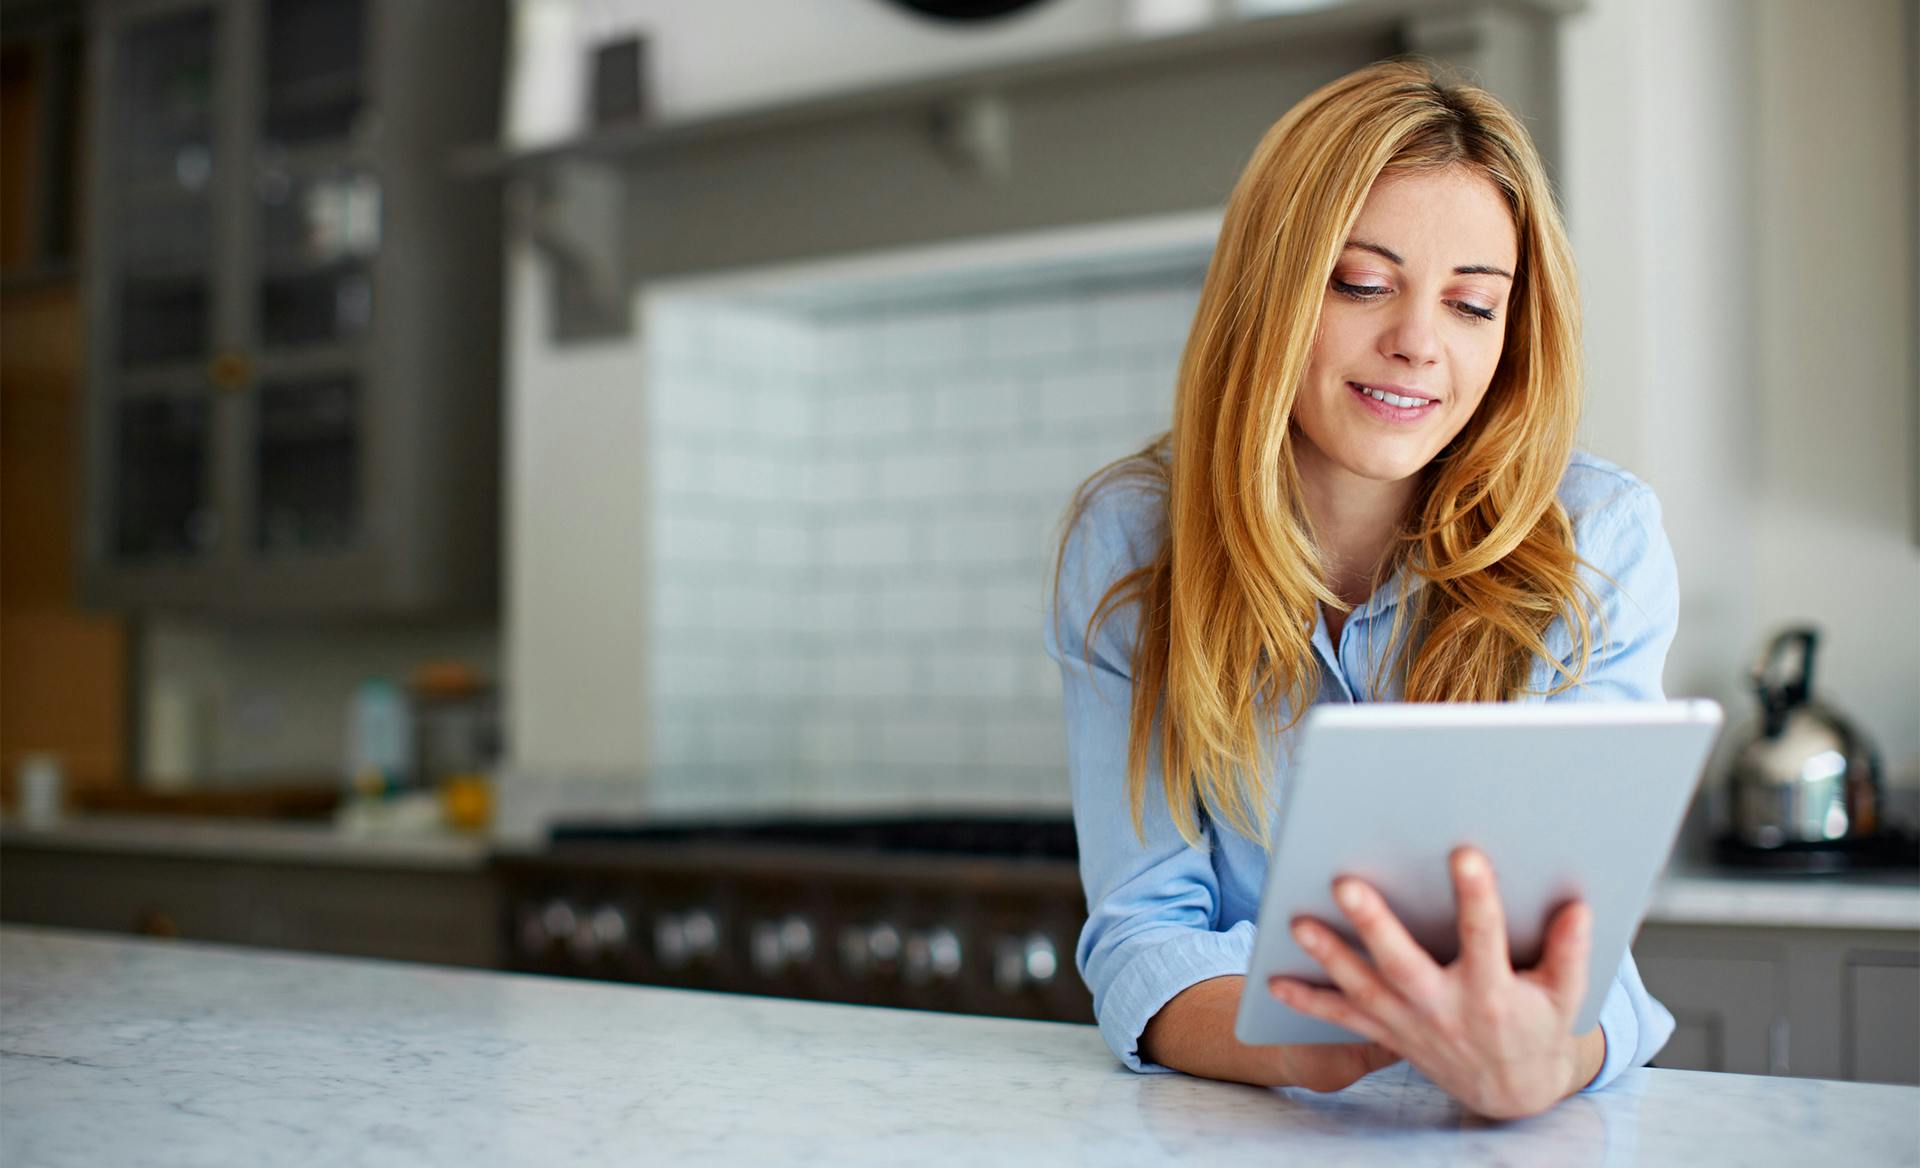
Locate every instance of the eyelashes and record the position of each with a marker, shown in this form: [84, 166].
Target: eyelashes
[1366, 292]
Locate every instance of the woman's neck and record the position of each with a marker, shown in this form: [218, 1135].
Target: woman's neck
[1354, 519]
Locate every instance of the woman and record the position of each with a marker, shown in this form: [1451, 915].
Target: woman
[1369, 493]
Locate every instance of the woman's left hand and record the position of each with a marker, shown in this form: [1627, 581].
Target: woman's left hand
[1499, 1040]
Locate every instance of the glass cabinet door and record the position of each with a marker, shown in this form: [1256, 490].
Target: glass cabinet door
[317, 205]
[162, 457]
[307, 469]
[316, 208]
[315, 79]
[159, 285]
[162, 143]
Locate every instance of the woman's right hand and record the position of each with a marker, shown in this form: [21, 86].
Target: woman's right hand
[1194, 1033]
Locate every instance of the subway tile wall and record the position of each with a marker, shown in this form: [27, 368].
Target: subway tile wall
[853, 515]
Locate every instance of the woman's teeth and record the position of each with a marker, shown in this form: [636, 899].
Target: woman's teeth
[1393, 399]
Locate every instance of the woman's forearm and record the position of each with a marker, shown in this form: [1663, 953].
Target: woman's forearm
[1194, 1033]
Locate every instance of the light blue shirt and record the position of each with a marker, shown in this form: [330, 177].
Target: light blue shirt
[1165, 916]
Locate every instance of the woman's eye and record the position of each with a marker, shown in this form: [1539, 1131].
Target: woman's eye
[1359, 291]
[1375, 291]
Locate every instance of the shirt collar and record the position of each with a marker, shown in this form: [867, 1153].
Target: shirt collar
[1388, 593]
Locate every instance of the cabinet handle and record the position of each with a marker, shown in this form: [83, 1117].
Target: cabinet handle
[154, 922]
[230, 372]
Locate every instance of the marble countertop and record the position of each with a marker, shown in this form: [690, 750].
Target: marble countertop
[1715, 897]
[243, 839]
[123, 1051]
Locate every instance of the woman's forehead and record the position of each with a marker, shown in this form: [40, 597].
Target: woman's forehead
[1451, 218]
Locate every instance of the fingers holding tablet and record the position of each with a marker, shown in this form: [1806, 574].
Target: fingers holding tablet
[1401, 961]
[1562, 971]
[1484, 959]
[1499, 1039]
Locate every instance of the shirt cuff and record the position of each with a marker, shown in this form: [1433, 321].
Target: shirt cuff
[1158, 966]
[1620, 1025]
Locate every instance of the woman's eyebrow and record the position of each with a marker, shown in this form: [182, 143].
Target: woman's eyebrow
[1462, 270]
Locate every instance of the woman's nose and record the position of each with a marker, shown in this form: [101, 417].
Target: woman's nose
[1412, 335]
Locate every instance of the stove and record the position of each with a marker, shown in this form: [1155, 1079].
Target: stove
[962, 914]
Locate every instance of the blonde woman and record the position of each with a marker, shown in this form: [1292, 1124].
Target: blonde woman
[1369, 493]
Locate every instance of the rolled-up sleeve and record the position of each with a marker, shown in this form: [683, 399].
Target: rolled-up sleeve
[1640, 600]
[1152, 909]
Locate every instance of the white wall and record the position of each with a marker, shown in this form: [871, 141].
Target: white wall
[576, 592]
[1737, 190]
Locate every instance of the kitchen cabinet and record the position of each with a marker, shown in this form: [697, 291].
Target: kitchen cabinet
[443, 914]
[1811, 1002]
[294, 321]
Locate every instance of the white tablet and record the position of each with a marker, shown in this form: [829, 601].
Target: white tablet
[1574, 800]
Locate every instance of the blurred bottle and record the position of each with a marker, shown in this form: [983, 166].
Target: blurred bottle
[379, 738]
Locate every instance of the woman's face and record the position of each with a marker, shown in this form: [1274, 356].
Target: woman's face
[1416, 309]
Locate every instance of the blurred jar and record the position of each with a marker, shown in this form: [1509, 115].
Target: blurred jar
[456, 720]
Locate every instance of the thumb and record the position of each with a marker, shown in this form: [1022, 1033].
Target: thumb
[1376, 1056]
[1562, 971]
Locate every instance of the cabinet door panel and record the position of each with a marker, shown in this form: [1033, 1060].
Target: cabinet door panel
[1730, 1012]
[196, 899]
[413, 916]
[1883, 1017]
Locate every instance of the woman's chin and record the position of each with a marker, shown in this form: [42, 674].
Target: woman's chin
[1386, 466]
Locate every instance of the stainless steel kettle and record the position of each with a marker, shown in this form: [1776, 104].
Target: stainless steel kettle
[1804, 776]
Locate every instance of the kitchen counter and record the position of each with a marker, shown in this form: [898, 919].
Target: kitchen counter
[1717, 897]
[1683, 895]
[119, 1051]
[241, 839]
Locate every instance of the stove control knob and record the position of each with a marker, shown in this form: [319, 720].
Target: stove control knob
[1020, 962]
[679, 939]
[546, 925]
[703, 934]
[854, 958]
[599, 933]
[763, 941]
[883, 944]
[796, 939]
[869, 950]
[780, 945]
[932, 955]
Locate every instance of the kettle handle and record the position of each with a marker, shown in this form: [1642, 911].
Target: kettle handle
[1777, 696]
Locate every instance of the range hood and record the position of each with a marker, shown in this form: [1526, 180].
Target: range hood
[1126, 131]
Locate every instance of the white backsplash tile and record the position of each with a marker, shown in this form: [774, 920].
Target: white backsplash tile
[852, 534]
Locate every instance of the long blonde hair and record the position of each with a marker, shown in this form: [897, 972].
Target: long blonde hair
[1227, 607]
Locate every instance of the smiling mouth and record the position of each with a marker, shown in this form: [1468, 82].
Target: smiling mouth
[1399, 401]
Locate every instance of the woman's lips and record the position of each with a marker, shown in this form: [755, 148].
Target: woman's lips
[1382, 410]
